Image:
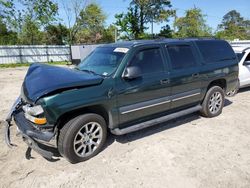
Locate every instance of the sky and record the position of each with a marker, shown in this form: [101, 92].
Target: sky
[213, 9]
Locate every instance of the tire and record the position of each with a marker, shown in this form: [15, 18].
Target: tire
[233, 92]
[82, 137]
[213, 102]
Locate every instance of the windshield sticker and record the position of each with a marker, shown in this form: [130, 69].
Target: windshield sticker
[121, 50]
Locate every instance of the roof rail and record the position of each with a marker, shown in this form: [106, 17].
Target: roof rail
[198, 38]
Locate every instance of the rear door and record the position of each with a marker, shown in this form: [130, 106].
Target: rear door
[184, 74]
[147, 95]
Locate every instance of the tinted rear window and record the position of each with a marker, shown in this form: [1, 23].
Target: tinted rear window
[215, 50]
[181, 56]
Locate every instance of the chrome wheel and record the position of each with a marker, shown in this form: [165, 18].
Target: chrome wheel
[215, 102]
[88, 139]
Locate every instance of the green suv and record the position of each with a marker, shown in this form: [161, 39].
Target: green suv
[121, 88]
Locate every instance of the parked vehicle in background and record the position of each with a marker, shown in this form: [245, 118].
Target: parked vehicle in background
[243, 54]
[122, 88]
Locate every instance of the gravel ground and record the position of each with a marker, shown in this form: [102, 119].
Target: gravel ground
[189, 152]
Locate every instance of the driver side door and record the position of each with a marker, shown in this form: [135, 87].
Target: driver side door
[244, 71]
[148, 94]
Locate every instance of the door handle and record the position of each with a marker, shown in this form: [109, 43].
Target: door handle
[195, 75]
[165, 81]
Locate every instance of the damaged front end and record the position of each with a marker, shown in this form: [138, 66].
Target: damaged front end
[31, 134]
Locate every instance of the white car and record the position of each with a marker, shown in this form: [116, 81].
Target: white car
[243, 54]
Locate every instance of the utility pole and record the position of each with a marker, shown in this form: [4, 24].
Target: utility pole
[152, 28]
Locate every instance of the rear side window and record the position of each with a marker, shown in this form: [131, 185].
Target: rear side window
[215, 50]
[149, 60]
[181, 56]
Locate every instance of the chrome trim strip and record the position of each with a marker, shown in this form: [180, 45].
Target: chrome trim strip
[136, 109]
[173, 98]
[186, 97]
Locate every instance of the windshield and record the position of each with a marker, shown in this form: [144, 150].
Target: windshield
[103, 60]
[240, 55]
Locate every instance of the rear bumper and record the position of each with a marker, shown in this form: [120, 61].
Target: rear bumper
[29, 132]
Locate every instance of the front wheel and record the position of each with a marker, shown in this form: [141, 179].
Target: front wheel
[213, 102]
[82, 137]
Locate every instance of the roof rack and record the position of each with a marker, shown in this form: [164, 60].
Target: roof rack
[198, 38]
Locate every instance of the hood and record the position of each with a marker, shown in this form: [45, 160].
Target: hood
[43, 79]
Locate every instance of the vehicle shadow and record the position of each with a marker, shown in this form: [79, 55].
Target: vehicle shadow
[160, 127]
[131, 136]
[227, 102]
[155, 129]
[243, 90]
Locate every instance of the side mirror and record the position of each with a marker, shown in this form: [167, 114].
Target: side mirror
[132, 72]
[246, 63]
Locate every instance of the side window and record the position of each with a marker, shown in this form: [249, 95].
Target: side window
[181, 56]
[149, 60]
[248, 57]
[214, 51]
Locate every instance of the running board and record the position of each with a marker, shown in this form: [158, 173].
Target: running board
[156, 121]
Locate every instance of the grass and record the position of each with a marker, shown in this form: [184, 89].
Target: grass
[14, 65]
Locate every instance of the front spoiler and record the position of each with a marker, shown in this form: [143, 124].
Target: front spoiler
[28, 133]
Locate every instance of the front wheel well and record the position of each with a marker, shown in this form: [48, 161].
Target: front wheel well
[96, 109]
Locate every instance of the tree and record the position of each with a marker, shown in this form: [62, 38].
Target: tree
[72, 10]
[30, 33]
[129, 24]
[166, 32]
[91, 22]
[108, 34]
[140, 13]
[193, 24]
[233, 26]
[27, 17]
[55, 35]
[6, 37]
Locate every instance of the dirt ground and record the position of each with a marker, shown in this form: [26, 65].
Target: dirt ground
[189, 152]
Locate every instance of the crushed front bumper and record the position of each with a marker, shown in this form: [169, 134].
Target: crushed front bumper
[30, 134]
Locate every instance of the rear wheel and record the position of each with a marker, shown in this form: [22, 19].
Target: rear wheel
[213, 102]
[82, 137]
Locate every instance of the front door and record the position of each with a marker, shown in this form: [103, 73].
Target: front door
[148, 94]
[184, 75]
[244, 71]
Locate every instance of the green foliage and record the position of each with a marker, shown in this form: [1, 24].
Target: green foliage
[234, 26]
[193, 24]
[129, 23]
[6, 37]
[108, 34]
[27, 17]
[14, 65]
[91, 22]
[132, 24]
[55, 35]
[30, 33]
[166, 32]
